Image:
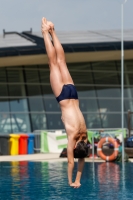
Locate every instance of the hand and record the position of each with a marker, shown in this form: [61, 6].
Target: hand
[75, 185]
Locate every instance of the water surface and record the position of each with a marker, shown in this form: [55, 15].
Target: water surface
[48, 181]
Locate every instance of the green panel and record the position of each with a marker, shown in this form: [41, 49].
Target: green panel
[120, 131]
[92, 134]
[62, 146]
[61, 137]
[44, 142]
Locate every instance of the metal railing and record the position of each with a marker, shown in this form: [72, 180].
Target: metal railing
[110, 132]
[129, 122]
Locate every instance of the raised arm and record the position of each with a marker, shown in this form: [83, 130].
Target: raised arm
[70, 157]
[81, 161]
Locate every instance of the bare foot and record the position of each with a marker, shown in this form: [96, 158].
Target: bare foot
[51, 26]
[45, 26]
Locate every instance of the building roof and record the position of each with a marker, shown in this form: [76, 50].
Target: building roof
[75, 37]
[28, 43]
[14, 40]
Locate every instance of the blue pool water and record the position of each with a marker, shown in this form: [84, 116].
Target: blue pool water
[48, 181]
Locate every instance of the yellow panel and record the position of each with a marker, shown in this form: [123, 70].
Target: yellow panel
[70, 58]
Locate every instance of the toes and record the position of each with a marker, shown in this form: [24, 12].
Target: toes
[42, 19]
[50, 24]
[45, 20]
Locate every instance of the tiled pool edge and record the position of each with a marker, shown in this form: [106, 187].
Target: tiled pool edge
[44, 157]
[40, 157]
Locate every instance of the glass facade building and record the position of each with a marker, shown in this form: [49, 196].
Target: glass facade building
[27, 102]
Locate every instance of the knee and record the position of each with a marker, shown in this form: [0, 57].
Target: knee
[52, 62]
[61, 61]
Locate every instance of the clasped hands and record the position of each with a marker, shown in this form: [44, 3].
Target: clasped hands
[75, 185]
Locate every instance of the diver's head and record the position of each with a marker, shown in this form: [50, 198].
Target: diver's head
[81, 150]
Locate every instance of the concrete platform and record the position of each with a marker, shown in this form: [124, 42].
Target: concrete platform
[44, 157]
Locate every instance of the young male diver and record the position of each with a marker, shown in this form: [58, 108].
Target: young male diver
[67, 97]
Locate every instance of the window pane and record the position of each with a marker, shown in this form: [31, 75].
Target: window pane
[3, 90]
[110, 120]
[82, 77]
[17, 90]
[81, 73]
[129, 65]
[108, 92]
[51, 105]
[18, 105]
[5, 123]
[54, 121]
[128, 105]
[34, 90]
[85, 91]
[113, 105]
[43, 67]
[79, 66]
[104, 66]
[88, 105]
[15, 76]
[3, 75]
[131, 122]
[128, 92]
[93, 120]
[109, 78]
[47, 91]
[20, 123]
[129, 79]
[38, 121]
[4, 105]
[104, 120]
[32, 75]
[45, 75]
[35, 101]
[36, 104]
[105, 73]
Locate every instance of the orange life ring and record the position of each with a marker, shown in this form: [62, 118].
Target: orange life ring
[99, 149]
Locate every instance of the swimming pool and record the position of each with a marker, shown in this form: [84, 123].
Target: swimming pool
[48, 181]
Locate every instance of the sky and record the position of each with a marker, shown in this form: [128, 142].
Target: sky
[67, 15]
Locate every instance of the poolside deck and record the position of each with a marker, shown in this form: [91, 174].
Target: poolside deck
[44, 157]
[41, 157]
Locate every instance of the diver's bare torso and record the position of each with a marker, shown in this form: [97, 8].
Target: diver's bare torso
[72, 117]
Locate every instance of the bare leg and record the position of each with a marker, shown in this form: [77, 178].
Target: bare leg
[55, 74]
[66, 77]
